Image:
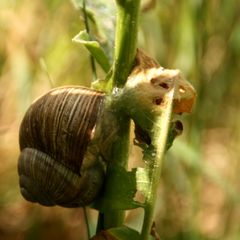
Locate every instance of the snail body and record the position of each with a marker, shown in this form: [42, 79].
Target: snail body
[58, 163]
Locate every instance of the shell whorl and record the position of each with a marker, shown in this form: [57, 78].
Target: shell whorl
[44, 180]
[54, 137]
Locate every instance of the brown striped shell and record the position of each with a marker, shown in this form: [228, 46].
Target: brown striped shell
[56, 165]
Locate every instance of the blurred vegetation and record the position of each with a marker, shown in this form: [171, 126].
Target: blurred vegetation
[199, 194]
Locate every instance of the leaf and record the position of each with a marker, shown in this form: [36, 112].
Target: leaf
[94, 48]
[120, 193]
[150, 83]
[120, 233]
[103, 84]
[102, 14]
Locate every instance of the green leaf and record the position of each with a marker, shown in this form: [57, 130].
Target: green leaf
[103, 84]
[102, 15]
[94, 48]
[119, 195]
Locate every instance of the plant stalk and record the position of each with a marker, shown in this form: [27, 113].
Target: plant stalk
[125, 40]
[119, 158]
[124, 55]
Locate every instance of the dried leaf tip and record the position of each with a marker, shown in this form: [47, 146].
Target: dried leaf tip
[151, 82]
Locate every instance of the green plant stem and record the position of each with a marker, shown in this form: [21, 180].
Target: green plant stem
[154, 165]
[120, 154]
[125, 40]
[124, 55]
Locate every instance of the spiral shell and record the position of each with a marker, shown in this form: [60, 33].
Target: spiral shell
[57, 165]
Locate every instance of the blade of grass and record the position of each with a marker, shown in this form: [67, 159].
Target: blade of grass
[87, 222]
[154, 165]
[93, 65]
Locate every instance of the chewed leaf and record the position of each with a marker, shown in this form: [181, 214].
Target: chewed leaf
[143, 139]
[94, 48]
[150, 83]
[143, 180]
[120, 233]
[119, 195]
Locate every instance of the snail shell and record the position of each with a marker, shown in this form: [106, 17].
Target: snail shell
[59, 164]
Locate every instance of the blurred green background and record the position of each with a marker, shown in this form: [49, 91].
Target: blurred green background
[199, 194]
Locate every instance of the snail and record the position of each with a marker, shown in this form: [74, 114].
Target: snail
[58, 164]
[66, 134]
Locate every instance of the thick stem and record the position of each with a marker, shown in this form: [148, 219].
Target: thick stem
[125, 51]
[119, 157]
[125, 40]
[159, 140]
